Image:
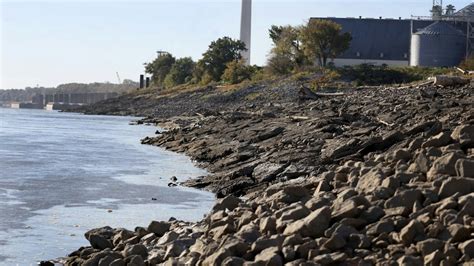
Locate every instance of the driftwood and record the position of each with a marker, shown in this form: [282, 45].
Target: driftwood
[420, 84]
[447, 81]
[465, 72]
[385, 123]
[298, 118]
[307, 94]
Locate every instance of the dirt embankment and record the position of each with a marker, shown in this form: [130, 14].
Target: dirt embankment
[375, 176]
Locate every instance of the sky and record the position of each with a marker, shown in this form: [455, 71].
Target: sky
[47, 43]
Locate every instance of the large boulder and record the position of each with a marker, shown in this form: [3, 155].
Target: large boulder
[454, 185]
[442, 139]
[465, 167]
[230, 203]
[371, 180]
[269, 256]
[405, 198]
[467, 248]
[445, 165]
[158, 227]
[137, 249]
[464, 134]
[408, 233]
[313, 225]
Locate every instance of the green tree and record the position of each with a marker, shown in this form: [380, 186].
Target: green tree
[287, 53]
[160, 67]
[275, 33]
[218, 55]
[324, 39]
[180, 73]
[237, 71]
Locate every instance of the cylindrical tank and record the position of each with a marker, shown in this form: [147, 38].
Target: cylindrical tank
[438, 45]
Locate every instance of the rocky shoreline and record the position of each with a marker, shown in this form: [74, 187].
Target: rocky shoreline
[375, 176]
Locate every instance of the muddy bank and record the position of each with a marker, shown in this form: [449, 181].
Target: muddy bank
[374, 176]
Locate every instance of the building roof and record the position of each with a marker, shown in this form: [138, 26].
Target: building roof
[379, 39]
[440, 28]
[468, 12]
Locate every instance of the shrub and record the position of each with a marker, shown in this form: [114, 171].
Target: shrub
[280, 65]
[236, 72]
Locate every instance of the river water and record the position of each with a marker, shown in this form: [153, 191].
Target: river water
[62, 174]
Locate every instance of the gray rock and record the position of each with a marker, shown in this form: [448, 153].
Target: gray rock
[269, 256]
[330, 258]
[429, 245]
[249, 233]
[290, 194]
[158, 227]
[270, 133]
[434, 258]
[117, 262]
[137, 249]
[408, 260]
[444, 165]
[359, 241]
[107, 260]
[106, 232]
[220, 231]
[464, 134]
[442, 139]
[230, 203]
[168, 237]
[313, 225]
[401, 155]
[454, 185]
[467, 248]
[233, 261]
[421, 164]
[268, 225]
[380, 227]
[266, 172]
[465, 167]
[335, 242]
[99, 242]
[264, 243]
[295, 213]
[236, 247]
[372, 214]
[135, 260]
[217, 257]
[371, 180]
[348, 209]
[405, 198]
[288, 253]
[410, 231]
[95, 258]
[459, 233]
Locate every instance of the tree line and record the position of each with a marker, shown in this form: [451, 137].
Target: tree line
[294, 48]
[24, 95]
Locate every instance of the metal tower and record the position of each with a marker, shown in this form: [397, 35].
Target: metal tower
[246, 28]
[437, 10]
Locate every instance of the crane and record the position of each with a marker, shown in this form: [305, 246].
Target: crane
[118, 78]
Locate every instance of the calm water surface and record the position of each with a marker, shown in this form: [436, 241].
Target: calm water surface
[62, 173]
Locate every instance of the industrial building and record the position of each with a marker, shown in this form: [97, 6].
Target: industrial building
[443, 39]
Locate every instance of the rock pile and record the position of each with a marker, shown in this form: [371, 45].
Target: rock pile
[380, 177]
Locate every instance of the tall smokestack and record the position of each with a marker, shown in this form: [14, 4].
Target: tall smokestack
[246, 28]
